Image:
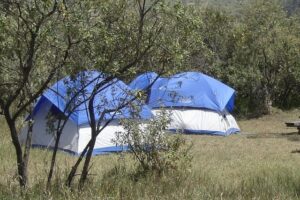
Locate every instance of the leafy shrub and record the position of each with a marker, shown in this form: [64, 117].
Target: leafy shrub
[153, 147]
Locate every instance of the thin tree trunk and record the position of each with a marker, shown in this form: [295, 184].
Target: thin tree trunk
[22, 168]
[75, 167]
[85, 169]
[53, 159]
[27, 147]
[92, 142]
[267, 101]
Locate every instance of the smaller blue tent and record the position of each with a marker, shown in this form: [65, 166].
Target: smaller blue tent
[143, 81]
[194, 90]
[188, 89]
[198, 103]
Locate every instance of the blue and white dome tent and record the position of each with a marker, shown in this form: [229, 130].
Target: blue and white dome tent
[77, 131]
[198, 103]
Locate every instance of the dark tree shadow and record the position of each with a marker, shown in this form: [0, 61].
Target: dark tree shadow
[296, 151]
[293, 136]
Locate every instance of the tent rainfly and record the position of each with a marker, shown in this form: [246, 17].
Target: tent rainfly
[197, 103]
[68, 97]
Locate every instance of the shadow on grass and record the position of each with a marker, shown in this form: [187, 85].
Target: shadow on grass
[296, 151]
[293, 136]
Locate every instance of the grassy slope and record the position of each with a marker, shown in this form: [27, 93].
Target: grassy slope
[257, 163]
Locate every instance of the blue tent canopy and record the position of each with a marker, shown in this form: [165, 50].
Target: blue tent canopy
[144, 80]
[70, 95]
[188, 89]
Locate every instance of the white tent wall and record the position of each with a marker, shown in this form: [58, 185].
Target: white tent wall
[232, 125]
[104, 142]
[74, 138]
[40, 136]
[200, 121]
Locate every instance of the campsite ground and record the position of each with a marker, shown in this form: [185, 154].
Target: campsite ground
[260, 163]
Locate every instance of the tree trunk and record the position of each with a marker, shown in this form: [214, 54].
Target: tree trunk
[92, 142]
[267, 101]
[53, 159]
[85, 169]
[22, 167]
[27, 147]
[75, 167]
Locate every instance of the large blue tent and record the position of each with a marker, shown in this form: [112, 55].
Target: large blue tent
[70, 96]
[78, 89]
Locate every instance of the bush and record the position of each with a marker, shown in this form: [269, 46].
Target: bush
[155, 149]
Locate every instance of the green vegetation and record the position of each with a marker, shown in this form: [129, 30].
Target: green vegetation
[256, 52]
[253, 45]
[41, 41]
[256, 164]
[155, 150]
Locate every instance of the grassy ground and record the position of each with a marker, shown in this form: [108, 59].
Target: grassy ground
[260, 163]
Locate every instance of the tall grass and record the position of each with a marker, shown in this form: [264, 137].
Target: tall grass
[277, 184]
[257, 164]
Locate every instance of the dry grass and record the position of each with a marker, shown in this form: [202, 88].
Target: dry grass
[255, 164]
